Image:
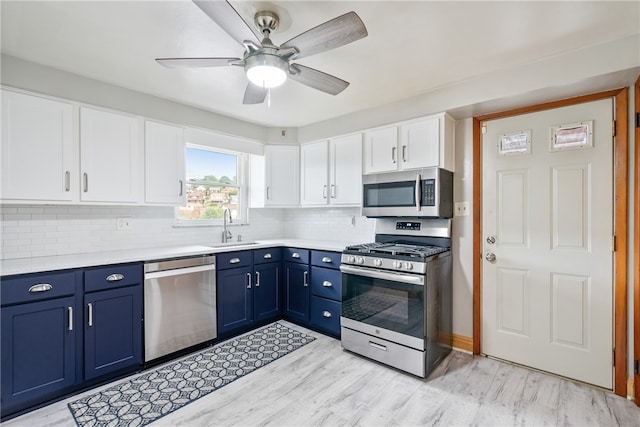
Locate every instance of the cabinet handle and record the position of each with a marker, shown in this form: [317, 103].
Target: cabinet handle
[234, 260]
[326, 314]
[267, 256]
[305, 276]
[67, 181]
[40, 287]
[324, 191]
[70, 318]
[393, 154]
[326, 259]
[327, 284]
[418, 191]
[85, 178]
[90, 309]
[404, 153]
[248, 280]
[268, 192]
[333, 191]
[378, 346]
[181, 187]
[257, 279]
[116, 277]
[295, 255]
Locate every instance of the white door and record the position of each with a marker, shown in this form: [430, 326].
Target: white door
[381, 150]
[547, 217]
[164, 164]
[345, 176]
[282, 175]
[314, 159]
[420, 144]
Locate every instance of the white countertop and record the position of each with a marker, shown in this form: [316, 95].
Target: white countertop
[62, 262]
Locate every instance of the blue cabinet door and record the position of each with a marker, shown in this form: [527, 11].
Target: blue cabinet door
[266, 292]
[38, 351]
[235, 308]
[296, 282]
[113, 331]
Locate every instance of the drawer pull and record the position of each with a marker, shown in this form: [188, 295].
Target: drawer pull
[326, 259]
[267, 256]
[115, 277]
[295, 255]
[327, 284]
[234, 260]
[40, 287]
[326, 314]
[378, 346]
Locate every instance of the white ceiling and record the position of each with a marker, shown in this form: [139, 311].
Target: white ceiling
[412, 47]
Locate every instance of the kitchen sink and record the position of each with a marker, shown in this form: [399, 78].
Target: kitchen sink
[232, 244]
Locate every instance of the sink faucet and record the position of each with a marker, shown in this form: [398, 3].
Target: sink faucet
[226, 235]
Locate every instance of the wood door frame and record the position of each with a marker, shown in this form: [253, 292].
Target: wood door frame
[620, 194]
[636, 242]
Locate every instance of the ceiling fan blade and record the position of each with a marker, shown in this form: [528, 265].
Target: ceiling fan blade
[337, 32]
[254, 94]
[317, 79]
[197, 62]
[223, 14]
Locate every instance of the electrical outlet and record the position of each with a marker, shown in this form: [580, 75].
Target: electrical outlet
[462, 208]
[123, 223]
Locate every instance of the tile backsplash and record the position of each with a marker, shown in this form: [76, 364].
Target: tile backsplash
[43, 230]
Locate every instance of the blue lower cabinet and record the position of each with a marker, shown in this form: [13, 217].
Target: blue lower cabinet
[266, 292]
[38, 352]
[235, 309]
[113, 331]
[325, 315]
[296, 292]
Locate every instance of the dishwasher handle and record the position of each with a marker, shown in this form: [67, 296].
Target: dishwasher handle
[179, 271]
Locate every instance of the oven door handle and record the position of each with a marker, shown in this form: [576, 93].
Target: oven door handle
[384, 275]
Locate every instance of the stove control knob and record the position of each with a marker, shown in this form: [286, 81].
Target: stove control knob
[377, 262]
[397, 264]
[360, 260]
[408, 266]
[351, 259]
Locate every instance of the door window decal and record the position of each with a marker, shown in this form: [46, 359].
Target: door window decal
[515, 143]
[571, 136]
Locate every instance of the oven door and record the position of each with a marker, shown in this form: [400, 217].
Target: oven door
[384, 304]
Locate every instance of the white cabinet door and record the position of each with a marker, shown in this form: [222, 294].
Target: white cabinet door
[282, 175]
[38, 154]
[345, 176]
[110, 157]
[420, 144]
[381, 150]
[314, 163]
[164, 157]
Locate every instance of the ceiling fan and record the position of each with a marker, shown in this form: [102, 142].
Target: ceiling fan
[268, 65]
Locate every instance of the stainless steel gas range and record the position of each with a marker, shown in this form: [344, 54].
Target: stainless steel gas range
[396, 294]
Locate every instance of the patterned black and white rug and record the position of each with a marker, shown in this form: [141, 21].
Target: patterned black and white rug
[154, 394]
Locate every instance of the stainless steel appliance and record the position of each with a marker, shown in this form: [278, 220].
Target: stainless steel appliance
[419, 193]
[396, 294]
[179, 304]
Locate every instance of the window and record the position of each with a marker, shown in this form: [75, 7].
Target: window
[214, 182]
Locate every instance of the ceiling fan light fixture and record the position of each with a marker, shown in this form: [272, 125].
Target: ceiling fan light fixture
[266, 70]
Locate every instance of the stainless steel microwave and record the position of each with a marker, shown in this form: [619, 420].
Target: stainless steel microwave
[417, 193]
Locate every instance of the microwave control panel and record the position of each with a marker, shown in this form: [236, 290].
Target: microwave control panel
[428, 192]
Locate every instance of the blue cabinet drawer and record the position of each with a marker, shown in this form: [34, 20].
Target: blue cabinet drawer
[260, 256]
[296, 255]
[326, 283]
[325, 315]
[36, 287]
[234, 259]
[111, 277]
[325, 259]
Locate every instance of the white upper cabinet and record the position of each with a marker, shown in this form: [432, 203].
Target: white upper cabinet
[332, 172]
[39, 156]
[424, 142]
[110, 157]
[282, 175]
[381, 150]
[164, 164]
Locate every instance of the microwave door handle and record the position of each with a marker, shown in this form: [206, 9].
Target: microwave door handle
[418, 191]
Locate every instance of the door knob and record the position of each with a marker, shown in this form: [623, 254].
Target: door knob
[491, 240]
[490, 256]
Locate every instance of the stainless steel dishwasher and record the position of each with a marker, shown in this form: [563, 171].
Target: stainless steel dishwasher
[179, 304]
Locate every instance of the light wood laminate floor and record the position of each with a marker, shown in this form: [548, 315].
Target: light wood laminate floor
[320, 384]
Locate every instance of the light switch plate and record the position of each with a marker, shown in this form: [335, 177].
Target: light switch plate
[462, 208]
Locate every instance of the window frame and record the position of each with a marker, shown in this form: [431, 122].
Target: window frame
[242, 181]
